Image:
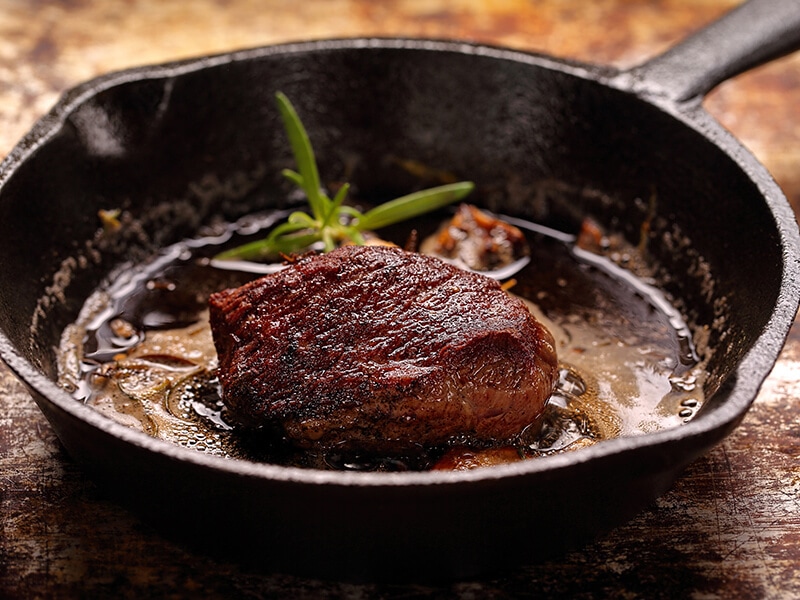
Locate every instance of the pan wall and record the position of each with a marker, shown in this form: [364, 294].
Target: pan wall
[175, 147]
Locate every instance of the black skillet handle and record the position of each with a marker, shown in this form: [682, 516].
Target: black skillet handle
[751, 34]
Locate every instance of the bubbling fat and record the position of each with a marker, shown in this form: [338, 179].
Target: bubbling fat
[142, 354]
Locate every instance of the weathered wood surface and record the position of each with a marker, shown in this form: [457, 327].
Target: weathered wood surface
[729, 528]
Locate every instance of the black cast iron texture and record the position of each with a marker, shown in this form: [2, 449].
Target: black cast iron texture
[176, 145]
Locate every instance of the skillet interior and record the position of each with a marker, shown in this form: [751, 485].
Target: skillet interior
[178, 145]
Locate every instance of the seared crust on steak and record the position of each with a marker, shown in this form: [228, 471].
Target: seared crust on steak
[376, 349]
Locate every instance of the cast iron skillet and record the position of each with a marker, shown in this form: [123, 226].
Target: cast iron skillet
[177, 144]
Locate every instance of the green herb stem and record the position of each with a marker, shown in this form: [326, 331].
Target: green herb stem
[331, 221]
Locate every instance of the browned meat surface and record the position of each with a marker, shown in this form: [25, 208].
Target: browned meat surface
[380, 350]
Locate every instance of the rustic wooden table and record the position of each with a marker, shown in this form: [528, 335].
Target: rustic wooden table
[729, 528]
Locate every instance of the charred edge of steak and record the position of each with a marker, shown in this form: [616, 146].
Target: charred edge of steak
[379, 349]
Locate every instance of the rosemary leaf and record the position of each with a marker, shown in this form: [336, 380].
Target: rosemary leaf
[331, 221]
[304, 155]
[413, 205]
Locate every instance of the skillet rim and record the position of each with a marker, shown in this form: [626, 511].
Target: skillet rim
[747, 377]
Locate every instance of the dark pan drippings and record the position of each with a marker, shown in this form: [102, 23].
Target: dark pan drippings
[141, 353]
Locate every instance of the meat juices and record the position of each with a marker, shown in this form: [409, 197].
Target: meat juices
[375, 349]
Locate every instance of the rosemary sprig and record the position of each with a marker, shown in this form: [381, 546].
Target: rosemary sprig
[331, 221]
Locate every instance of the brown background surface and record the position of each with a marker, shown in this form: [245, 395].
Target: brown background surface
[729, 528]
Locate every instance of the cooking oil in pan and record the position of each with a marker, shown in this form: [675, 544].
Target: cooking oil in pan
[142, 354]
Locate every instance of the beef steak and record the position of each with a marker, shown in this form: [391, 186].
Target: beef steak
[375, 349]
